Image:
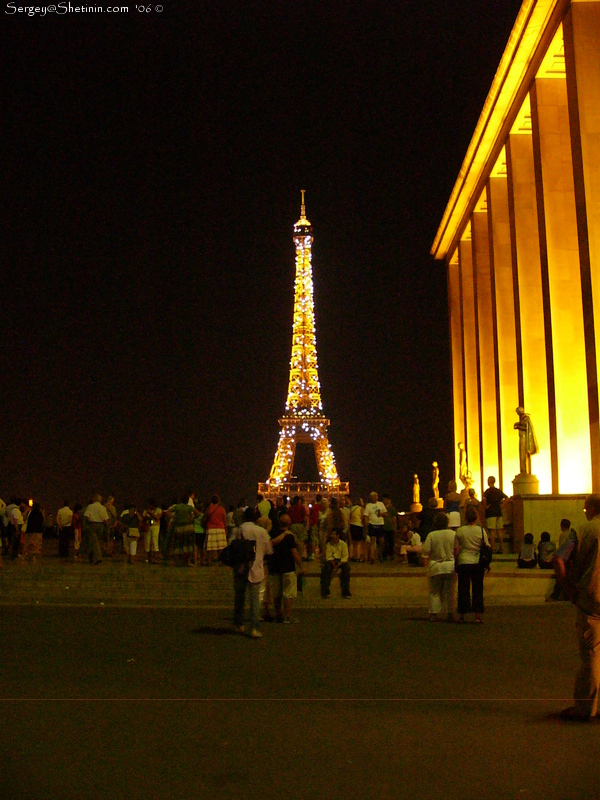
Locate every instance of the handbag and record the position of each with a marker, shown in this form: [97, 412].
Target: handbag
[485, 554]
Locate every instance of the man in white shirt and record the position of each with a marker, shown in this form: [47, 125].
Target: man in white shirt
[336, 562]
[374, 517]
[97, 523]
[253, 578]
[64, 520]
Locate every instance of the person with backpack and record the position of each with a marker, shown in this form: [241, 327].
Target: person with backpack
[469, 540]
[247, 564]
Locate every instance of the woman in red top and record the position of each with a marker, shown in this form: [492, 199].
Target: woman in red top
[299, 517]
[216, 527]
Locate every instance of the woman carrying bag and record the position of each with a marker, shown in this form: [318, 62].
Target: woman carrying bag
[470, 539]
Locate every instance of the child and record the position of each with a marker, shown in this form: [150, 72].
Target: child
[546, 550]
[527, 558]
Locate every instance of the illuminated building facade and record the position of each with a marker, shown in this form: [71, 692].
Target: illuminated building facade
[521, 240]
[303, 420]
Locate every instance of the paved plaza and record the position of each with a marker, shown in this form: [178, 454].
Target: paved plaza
[348, 703]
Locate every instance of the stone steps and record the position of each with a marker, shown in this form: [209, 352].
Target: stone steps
[115, 583]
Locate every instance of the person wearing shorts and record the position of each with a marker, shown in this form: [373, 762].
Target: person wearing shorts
[282, 571]
[492, 499]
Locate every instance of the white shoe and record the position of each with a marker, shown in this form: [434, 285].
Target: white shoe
[255, 634]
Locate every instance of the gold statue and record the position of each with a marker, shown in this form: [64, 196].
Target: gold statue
[463, 469]
[436, 480]
[528, 445]
[416, 490]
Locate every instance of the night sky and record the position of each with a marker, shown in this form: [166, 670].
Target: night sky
[151, 180]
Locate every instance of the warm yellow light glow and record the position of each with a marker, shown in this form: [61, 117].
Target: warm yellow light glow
[304, 420]
[568, 344]
[472, 439]
[553, 64]
[530, 28]
[30, 502]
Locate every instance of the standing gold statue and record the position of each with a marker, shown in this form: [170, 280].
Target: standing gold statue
[435, 485]
[463, 470]
[528, 445]
[416, 490]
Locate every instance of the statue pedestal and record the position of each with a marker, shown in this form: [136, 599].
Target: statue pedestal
[525, 484]
[416, 508]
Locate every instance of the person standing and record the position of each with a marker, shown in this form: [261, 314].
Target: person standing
[32, 538]
[439, 546]
[374, 515]
[299, 517]
[97, 523]
[64, 522]
[357, 531]
[263, 507]
[492, 499]
[182, 540]
[112, 521]
[250, 576]
[469, 539]
[216, 528]
[152, 515]
[313, 527]
[583, 587]
[282, 568]
[390, 526]
[77, 526]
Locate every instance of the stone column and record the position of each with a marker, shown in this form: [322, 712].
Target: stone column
[456, 338]
[581, 31]
[559, 256]
[504, 312]
[486, 332]
[529, 310]
[472, 392]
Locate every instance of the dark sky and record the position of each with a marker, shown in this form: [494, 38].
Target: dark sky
[151, 179]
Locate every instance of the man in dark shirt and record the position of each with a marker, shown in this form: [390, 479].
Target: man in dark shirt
[492, 499]
[282, 570]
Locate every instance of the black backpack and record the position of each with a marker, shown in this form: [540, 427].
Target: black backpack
[239, 554]
[485, 554]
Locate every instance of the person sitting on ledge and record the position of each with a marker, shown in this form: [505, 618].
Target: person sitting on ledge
[527, 558]
[407, 546]
[336, 561]
[546, 551]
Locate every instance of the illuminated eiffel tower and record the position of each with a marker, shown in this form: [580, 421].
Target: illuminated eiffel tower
[303, 420]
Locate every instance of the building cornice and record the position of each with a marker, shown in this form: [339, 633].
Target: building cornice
[535, 26]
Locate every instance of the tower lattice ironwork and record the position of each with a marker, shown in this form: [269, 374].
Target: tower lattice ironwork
[303, 420]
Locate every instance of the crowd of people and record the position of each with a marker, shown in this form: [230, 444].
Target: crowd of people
[452, 536]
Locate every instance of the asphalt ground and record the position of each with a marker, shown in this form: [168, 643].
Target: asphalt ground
[355, 703]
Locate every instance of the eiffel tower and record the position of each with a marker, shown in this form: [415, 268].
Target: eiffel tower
[303, 420]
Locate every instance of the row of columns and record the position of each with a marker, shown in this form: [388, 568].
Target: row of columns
[524, 281]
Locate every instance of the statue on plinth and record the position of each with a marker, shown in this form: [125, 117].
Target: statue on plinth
[525, 482]
[416, 503]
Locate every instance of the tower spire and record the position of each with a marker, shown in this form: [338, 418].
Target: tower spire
[303, 221]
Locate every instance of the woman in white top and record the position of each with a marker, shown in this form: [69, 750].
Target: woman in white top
[468, 544]
[439, 546]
